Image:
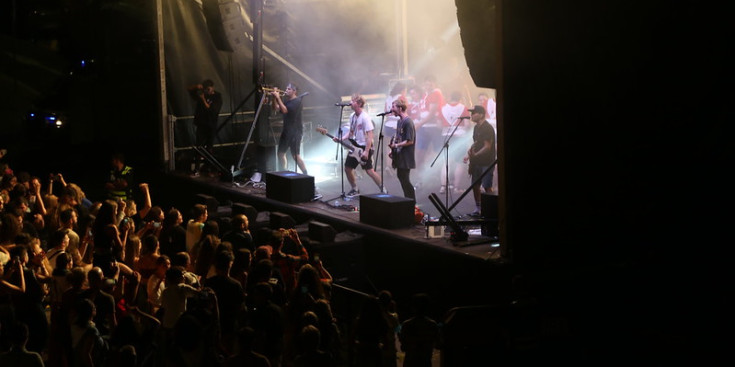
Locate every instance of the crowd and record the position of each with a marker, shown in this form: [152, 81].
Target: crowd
[119, 281]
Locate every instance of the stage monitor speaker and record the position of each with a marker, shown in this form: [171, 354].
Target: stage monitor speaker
[211, 203]
[489, 211]
[386, 211]
[262, 235]
[289, 187]
[321, 232]
[248, 210]
[281, 220]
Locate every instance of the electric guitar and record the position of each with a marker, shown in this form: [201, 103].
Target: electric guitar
[355, 150]
[394, 152]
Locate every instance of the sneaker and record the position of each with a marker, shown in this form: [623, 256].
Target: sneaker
[353, 193]
[317, 196]
[384, 191]
[194, 174]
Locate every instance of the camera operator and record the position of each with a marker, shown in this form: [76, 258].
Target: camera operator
[206, 112]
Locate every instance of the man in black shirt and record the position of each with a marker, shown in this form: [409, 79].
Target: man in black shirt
[293, 128]
[206, 113]
[480, 155]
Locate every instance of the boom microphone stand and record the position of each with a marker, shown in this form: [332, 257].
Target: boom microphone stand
[379, 150]
[339, 154]
[445, 148]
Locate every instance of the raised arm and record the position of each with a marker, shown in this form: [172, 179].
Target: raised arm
[36, 187]
[14, 267]
[147, 203]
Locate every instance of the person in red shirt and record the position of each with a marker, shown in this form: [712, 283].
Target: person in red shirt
[430, 124]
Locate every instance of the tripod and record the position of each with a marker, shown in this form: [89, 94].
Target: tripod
[240, 170]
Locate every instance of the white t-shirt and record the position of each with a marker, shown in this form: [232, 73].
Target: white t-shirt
[193, 233]
[173, 300]
[360, 125]
[451, 113]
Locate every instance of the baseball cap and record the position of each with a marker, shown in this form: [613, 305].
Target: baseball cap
[478, 109]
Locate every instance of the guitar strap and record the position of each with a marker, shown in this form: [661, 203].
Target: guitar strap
[353, 121]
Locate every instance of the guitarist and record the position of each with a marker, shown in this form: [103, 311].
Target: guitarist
[361, 131]
[402, 147]
[480, 155]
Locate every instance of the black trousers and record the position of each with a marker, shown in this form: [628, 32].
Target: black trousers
[404, 177]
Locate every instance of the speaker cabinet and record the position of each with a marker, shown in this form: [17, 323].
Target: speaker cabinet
[211, 203]
[321, 232]
[213, 15]
[386, 211]
[489, 210]
[281, 220]
[289, 187]
[248, 210]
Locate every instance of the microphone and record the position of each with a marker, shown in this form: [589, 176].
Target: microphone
[343, 104]
[385, 113]
[463, 118]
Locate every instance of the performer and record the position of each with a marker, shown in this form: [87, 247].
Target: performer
[491, 116]
[398, 91]
[390, 121]
[402, 147]
[361, 130]
[293, 128]
[480, 155]
[429, 127]
[206, 113]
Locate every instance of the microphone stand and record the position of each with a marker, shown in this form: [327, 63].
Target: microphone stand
[339, 155]
[445, 148]
[379, 153]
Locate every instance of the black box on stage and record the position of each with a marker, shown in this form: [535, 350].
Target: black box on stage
[489, 210]
[289, 187]
[321, 232]
[386, 211]
[248, 210]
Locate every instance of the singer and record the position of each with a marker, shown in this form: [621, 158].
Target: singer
[402, 147]
[293, 128]
[361, 130]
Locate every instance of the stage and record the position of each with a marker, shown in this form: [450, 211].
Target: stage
[361, 256]
[331, 207]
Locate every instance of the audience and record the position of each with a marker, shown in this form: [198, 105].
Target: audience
[206, 298]
[18, 355]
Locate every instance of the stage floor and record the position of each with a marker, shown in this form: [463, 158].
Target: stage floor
[333, 207]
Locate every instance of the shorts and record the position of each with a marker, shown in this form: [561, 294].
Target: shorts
[353, 163]
[487, 180]
[293, 143]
